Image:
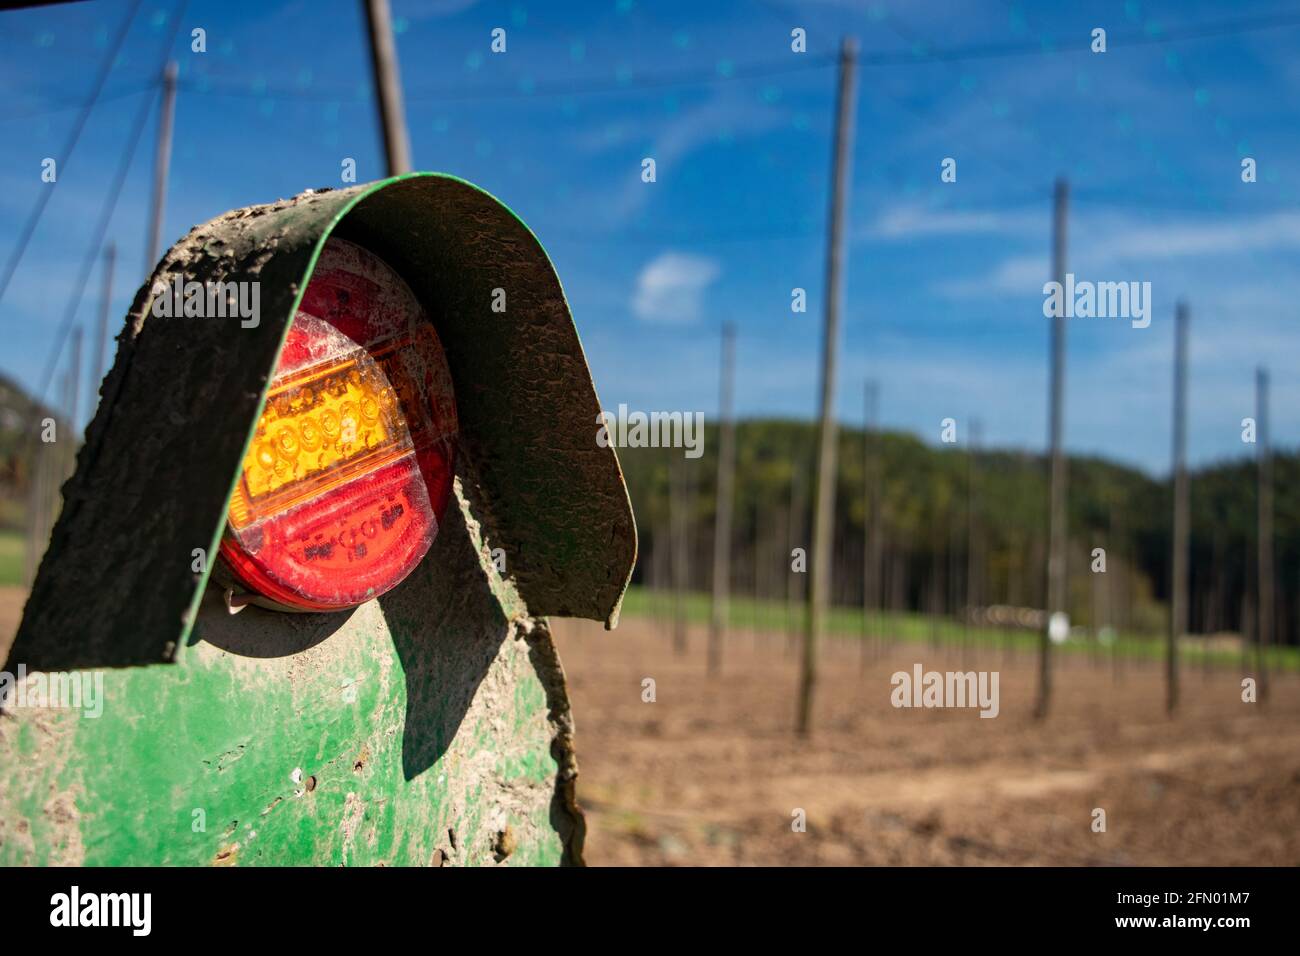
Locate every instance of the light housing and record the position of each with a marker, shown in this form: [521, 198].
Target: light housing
[347, 478]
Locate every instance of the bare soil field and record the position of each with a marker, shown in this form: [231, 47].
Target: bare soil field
[712, 773]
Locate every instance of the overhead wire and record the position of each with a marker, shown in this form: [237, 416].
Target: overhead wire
[47, 190]
[107, 209]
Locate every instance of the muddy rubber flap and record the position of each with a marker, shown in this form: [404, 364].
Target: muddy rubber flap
[118, 584]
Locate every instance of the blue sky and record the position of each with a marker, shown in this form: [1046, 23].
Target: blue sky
[944, 290]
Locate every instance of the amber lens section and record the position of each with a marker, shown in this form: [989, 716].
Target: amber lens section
[322, 427]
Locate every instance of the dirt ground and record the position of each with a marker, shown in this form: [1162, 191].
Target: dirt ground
[711, 773]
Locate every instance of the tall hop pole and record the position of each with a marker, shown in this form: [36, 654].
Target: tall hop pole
[824, 485]
[1058, 534]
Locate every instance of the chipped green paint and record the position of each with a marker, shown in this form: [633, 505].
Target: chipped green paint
[365, 748]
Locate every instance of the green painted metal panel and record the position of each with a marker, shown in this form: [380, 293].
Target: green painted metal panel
[431, 725]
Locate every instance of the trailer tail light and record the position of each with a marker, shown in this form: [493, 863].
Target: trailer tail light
[347, 479]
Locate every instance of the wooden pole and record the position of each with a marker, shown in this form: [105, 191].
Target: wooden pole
[679, 519]
[1114, 569]
[388, 87]
[1058, 535]
[726, 493]
[758, 551]
[874, 526]
[100, 360]
[795, 538]
[974, 531]
[74, 400]
[161, 167]
[1264, 612]
[1178, 561]
[1218, 624]
[819, 569]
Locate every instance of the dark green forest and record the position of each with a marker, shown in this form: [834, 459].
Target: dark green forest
[961, 530]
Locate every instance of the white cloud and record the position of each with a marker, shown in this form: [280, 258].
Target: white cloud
[1125, 242]
[1209, 237]
[912, 221]
[1014, 275]
[671, 287]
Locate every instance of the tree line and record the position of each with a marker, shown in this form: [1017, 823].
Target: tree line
[962, 529]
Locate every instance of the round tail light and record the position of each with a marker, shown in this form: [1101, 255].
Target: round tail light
[349, 473]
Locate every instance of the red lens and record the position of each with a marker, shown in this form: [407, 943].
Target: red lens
[349, 474]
